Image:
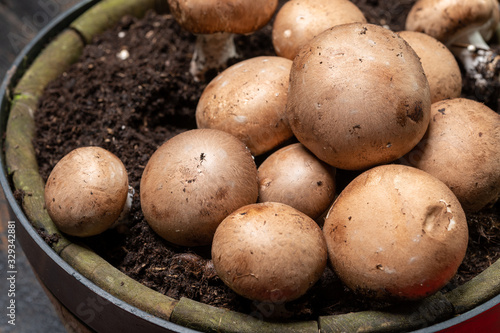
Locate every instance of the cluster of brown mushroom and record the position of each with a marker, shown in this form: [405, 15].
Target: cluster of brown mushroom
[356, 96]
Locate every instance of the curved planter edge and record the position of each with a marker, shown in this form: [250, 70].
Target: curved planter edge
[116, 293]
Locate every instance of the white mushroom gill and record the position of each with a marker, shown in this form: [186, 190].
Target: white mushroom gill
[123, 218]
[473, 52]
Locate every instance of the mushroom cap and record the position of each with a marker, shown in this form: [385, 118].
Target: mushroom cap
[489, 29]
[358, 96]
[248, 100]
[294, 176]
[462, 149]
[299, 21]
[233, 16]
[396, 232]
[86, 191]
[449, 20]
[193, 181]
[269, 252]
[440, 66]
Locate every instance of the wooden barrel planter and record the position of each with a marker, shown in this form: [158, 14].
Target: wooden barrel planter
[100, 296]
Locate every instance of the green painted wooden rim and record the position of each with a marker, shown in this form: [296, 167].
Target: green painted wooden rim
[22, 167]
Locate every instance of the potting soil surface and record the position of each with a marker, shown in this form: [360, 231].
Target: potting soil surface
[131, 106]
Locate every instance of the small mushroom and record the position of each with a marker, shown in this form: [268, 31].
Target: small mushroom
[86, 191]
[269, 252]
[440, 66]
[299, 21]
[248, 100]
[215, 23]
[358, 96]
[462, 149]
[193, 181]
[463, 26]
[294, 176]
[396, 232]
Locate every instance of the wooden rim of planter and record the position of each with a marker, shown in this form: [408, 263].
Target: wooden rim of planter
[22, 168]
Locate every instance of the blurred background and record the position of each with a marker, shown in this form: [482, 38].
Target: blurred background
[20, 21]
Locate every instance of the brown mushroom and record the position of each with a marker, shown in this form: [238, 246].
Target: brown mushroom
[358, 96]
[193, 181]
[462, 149]
[269, 252]
[396, 232]
[440, 66]
[463, 26]
[248, 100]
[294, 176]
[86, 191]
[215, 23]
[299, 21]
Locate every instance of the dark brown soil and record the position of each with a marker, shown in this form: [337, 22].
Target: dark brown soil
[132, 106]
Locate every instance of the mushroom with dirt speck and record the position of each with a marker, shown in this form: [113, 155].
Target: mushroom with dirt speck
[358, 96]
[294, 176]
[269, 252]
[248, 100]
[215, 22]
[464, 26]
[440, 66]
[462, 149]
[299, 21]
[193, 181]
[396, 232]
[86, 191]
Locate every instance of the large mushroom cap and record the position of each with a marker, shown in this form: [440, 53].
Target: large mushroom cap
[396, 232]
[299, 21]
[234, 16]
[86, 191]
[462, 149]
[193, 181]
[248, 100]
[358, 96]
[269, 252]
[294, 176]
[440, 66]
[448, 20]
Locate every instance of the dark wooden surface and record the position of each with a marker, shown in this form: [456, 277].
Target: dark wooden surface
[20, 21]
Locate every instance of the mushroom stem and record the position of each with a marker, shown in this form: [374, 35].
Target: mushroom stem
[474, 54]
[212, 51]
[123, 218]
